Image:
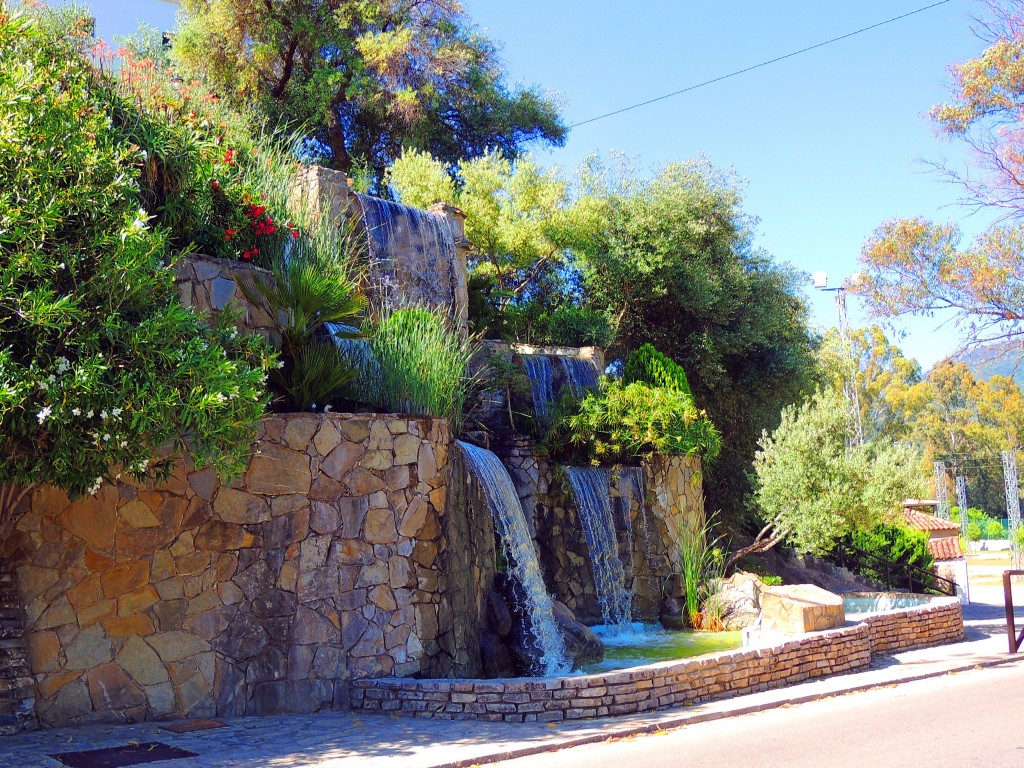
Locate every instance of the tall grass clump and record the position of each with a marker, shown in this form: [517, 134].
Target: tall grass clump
[421, 365]
[702, 570]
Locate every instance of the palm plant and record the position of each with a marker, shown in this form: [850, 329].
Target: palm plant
[317, 301]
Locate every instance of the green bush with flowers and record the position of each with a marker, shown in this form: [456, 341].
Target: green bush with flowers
[102, 371]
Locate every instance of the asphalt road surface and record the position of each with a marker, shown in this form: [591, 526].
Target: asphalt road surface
[973, 718]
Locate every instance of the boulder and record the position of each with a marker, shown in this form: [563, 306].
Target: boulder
[495, 657]
[740, 599]
[582, 645]
[672, 610]
[499, 618]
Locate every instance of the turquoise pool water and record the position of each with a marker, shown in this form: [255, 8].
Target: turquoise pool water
[881, 601]
[651, 643]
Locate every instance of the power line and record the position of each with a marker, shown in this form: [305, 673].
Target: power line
[762, 64]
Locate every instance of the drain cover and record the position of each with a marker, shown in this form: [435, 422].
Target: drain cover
[119, 757]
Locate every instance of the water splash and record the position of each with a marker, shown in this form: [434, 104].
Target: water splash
[397, 232]
[539, 371]
[504, 504]
[591, 492]
[580, 375]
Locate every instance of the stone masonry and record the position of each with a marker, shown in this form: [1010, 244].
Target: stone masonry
[320, 565]
[17, 688]
[670, 683]
[210, 285]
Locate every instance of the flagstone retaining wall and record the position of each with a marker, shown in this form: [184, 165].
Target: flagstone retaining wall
[321, 564]
[670, 683]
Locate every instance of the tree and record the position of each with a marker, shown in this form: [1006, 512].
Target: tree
[102, 371]
[366, 78]
[670, 260]
[884, 379]
[914, 266]
[812, 487]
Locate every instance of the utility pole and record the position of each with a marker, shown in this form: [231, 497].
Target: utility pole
[850, 388]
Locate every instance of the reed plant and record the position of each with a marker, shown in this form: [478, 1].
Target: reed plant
[702, 563]
[421, 362]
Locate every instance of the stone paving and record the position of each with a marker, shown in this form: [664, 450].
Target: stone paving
[349, 740]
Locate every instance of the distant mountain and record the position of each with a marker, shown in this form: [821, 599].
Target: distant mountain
[1002, 358]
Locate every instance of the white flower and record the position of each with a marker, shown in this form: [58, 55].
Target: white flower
[141, 221]
[103, 414]
[90, 414]
[95, 486]
[116, 412]
[280, 364]
[62, 362]
[106, 438]
[44, 414]
[76, 411]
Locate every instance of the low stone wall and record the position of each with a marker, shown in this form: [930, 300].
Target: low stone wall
[940, 621]
[686, 681]
[191, 599]
[625, 692]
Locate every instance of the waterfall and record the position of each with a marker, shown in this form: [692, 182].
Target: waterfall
[580, 375]
[590, 490]
[538, 369]
[521, 555]
[411, 252]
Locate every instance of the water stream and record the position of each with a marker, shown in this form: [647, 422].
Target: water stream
[504, 504]
[395, 232]
[591, 492]
[580, 375]
[538, 370]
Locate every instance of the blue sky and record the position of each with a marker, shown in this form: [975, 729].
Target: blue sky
[829, 142]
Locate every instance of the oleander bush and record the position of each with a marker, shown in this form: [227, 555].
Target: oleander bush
[102, 371]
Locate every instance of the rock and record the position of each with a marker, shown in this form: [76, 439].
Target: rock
[141, 662]
[672, 610]
[800, 608]
[176, 646]
[495, 657]
[499, 619]
[110, 688]
[276, 471]
[244, 638]
[582, 645]
[340, 461]
[220, 537]
[90, 649]
[234, 506]
[138, 515]
[125, 578]
[740, 599]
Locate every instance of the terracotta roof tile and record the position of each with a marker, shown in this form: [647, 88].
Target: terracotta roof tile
[945, 548]
[925, 522]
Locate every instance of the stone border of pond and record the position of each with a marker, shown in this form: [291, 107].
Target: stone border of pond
[671, 683]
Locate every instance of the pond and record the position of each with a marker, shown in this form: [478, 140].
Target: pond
[651, 643]
[880, 602]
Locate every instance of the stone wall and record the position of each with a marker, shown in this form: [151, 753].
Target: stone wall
[939, 621]
[321, 564]
[625, 692]
[647, 527]
[209, 285]
[17, 688]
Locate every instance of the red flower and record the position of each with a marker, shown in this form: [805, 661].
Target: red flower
[229, 157]
[214, 184]
[247, 255]
[255, 211]
[295, 233]
[228, 233]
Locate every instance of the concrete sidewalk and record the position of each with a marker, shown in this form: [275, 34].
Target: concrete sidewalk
[345, 740]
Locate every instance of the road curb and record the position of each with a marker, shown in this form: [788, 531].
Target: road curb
[682, 720]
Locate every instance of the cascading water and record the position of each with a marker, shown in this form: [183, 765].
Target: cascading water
[580, 375]
[400, 229]
[503, 501]
[538, 370]
[590, 490]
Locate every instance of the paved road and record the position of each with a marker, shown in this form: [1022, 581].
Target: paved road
[973, 718]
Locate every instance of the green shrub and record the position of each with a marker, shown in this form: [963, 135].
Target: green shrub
[649, 366]
[421, 366]
[100, 366]
[994, 530]
[619, 422]
[578, 327]
[896, 543]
